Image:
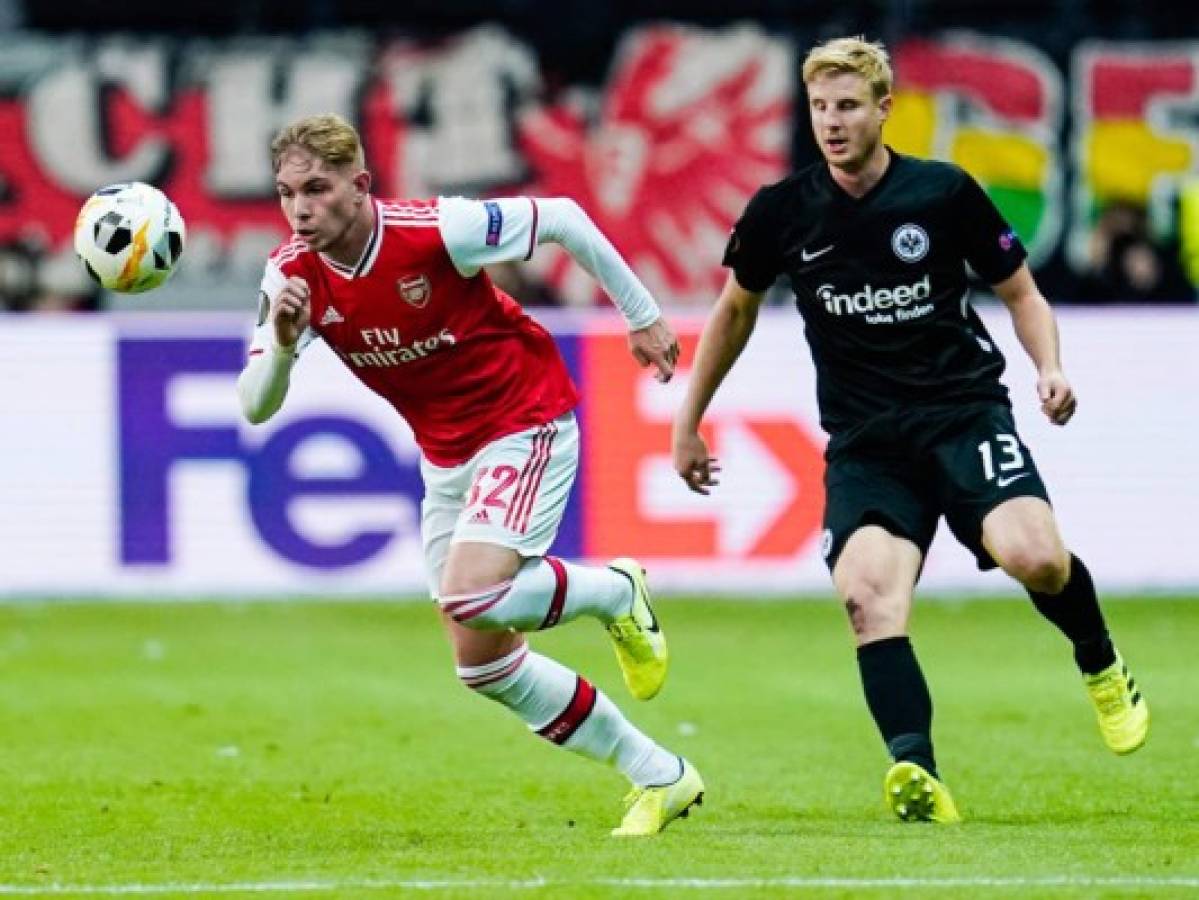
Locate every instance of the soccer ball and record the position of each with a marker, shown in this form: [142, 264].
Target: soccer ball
[129, 236]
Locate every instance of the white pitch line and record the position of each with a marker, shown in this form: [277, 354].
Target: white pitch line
[262, 887]
[314, 886]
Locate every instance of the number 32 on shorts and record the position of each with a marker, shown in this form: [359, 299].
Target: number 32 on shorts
[491, 486]
[1000, 455]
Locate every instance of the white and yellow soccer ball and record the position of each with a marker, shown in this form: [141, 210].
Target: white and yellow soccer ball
[130, 237]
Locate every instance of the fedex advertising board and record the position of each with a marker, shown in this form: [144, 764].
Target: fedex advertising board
[127, 468]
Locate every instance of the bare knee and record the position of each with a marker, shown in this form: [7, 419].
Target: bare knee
[475, 581]
[473, 648]
[1038, 565]
[460, 581]
[875, 576]
[471, 567]
[1022, 536]
[875, 611]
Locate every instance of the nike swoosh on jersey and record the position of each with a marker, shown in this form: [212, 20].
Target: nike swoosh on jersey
[1004, 482]
[808, 257]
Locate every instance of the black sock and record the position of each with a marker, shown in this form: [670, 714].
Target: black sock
[1075, 611]
[899, 700]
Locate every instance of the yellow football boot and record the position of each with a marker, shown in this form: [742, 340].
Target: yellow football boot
[1122, 712]
[916, 796]
[637, 638]
[653, 808]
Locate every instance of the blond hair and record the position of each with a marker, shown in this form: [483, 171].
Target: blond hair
[852, 56]
[327, 137]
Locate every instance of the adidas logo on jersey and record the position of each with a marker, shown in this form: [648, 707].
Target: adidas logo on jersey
[871, 300]
[331, 317]
[480, 518]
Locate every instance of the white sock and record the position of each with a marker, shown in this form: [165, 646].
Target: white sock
[545, 592]
[566, 709]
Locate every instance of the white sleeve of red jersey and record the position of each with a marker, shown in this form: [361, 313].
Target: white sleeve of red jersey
[477, 233]
[263, 382]
[263, 339]
[480, 232]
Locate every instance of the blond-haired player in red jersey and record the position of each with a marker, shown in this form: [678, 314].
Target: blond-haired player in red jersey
[397, 289]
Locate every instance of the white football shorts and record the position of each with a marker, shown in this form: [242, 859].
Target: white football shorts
[512, 492]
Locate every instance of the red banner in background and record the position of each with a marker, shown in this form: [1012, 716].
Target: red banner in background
[664, 154]
[40, 201]
[690, 125]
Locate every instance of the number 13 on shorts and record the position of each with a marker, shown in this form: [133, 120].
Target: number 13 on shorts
[1001, 456]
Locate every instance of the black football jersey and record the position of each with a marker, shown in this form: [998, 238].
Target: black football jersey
[882, 285]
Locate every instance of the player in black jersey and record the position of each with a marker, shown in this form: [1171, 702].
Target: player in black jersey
[876, 246]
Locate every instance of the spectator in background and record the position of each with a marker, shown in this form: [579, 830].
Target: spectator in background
[1127, 266]
[32, 280]
[18, 269]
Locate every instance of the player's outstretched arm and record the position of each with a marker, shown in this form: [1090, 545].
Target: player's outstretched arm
[507, 229]
[724, 337]
[1036, 328]
[564, 222]
[651, 340]
[262, 385]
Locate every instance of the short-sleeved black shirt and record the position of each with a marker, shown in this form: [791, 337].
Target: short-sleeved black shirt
[881, 283]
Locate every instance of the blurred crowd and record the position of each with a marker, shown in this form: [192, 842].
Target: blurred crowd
[32, 279]
[1125, 264]
[1128, 260]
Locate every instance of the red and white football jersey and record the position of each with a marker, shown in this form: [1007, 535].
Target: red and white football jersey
[428, 331]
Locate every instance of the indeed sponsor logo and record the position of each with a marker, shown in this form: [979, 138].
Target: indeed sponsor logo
[869, 299]
[387, 348]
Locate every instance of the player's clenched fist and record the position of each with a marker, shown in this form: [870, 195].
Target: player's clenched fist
[291, 311]
[1058, 400]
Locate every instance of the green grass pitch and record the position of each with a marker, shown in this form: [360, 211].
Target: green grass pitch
[326, 749]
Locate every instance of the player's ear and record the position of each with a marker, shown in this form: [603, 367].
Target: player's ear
[884, 107]
[362, 182]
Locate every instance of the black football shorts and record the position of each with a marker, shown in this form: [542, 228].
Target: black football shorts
[959, 464]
